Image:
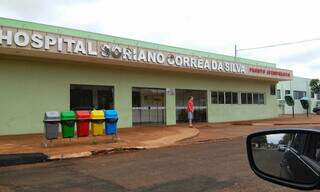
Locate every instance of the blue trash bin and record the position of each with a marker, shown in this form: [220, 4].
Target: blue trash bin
[111, 121]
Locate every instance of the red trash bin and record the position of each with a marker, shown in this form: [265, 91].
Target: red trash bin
[83, 120]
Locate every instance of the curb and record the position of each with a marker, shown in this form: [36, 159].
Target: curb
[113, 150]
[17, 159]
[223, 139]
[191, 137]
[23, 158]
[95, 152]
[70, 156]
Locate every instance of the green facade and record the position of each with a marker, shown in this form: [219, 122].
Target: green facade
[29, 87]
[32, 86]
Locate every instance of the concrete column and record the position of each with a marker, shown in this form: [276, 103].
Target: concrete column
[170, 108]
[123, 104]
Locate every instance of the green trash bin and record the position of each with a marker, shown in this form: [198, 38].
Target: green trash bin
[68, 120]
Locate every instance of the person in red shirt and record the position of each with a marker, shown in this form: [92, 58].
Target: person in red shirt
[190, 110]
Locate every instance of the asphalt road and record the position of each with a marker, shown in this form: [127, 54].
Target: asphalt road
[220, 166]
[268, 160]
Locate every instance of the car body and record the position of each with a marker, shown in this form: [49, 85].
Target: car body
[299, 163]
[295, 165]
[282, 147]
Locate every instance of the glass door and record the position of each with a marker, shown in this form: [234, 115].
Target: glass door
[199, 101]
[148, 106]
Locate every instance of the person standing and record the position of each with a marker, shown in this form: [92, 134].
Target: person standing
[190, 110]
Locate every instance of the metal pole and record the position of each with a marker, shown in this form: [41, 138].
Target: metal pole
[293, 111]
[235, 50]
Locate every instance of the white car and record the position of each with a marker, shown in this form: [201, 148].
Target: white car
[282, 147]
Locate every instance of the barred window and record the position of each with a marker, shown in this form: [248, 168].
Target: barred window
[278, 94]
[214, 97]
[249, 98]
[255, 98]
[272, 89]
[252, 98]
[234, 98]
[244, 98]
[228, 97]
[261, 99]
[221, 97]
[299, 94]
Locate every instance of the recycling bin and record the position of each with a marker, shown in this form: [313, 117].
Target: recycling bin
[68, 120]
[83, 122]
[305, 102]
[111, 122]
[51, 124]
[97, 120]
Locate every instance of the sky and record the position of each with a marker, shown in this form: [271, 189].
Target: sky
[206, 25]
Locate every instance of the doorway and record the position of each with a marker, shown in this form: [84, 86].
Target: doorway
[148, 106]
[199, 101]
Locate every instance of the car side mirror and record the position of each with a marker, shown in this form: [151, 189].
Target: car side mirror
[289, 157]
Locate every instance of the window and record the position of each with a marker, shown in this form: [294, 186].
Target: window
[261, 99]
[312, 147]
[299, 94]
[249, 98]
[244, 98]
[318, 96]
[228, 98]
[278, 94]
[272, 89]
[298, 141]
[214, 97]
[252, 98]
[221, 97]
[287, 92]
[255, 98]
[234, 98]
[312, 94]
[91, 96]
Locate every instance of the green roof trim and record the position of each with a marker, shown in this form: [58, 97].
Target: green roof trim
[126, 41]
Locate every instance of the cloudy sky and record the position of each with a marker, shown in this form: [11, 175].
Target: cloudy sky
[207, 25]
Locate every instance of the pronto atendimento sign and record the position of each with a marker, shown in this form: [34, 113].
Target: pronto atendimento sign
[77, 46]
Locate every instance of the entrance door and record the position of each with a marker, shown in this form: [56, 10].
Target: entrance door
[199, 101]
[148, 106]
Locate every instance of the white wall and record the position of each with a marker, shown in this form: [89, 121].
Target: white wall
[297, 84]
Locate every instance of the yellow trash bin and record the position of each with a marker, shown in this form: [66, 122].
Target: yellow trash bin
[97, 120]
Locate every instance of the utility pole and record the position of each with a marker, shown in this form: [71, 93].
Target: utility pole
[235, 50]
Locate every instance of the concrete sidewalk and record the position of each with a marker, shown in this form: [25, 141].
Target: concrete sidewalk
[147, 137]
[131, 138]
[231, 130]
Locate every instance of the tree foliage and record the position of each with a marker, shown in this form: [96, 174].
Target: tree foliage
[261, 140]
[315, 85]
[286, 139]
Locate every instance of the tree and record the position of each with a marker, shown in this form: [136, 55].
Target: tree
[286, 139]
[261, 140]
[315, 86]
